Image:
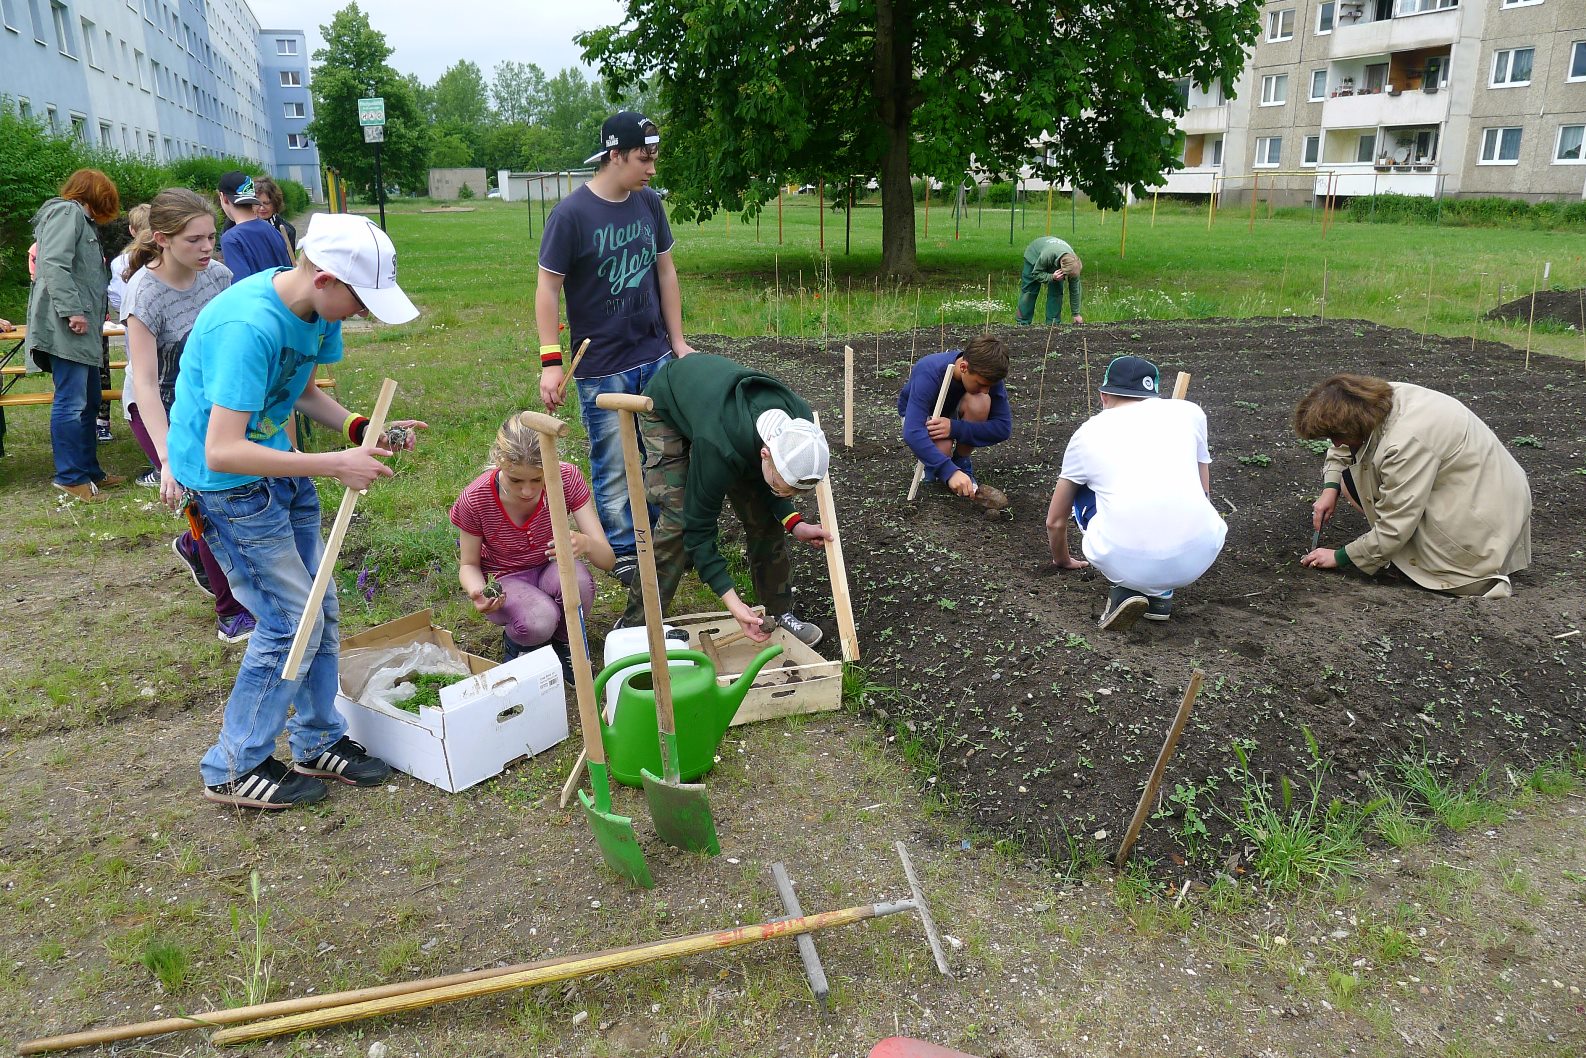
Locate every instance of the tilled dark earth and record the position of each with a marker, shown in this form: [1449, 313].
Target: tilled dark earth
[1044, 727]
[1567, 307]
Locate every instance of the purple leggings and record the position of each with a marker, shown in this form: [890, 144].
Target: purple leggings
[225, 603]
[531, 604]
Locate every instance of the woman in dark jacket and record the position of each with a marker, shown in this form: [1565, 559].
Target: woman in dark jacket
[271, 204]
[66, 312]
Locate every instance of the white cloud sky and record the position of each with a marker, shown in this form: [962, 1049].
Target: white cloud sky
[427, 37]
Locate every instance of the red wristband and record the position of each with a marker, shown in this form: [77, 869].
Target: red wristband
[551, 359]
[357, 428]
[791, 520]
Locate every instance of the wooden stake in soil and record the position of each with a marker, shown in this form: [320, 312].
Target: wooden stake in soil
[1324, 290]
[1181, 385]
[372, 436]
[988, 301]
[1040, 392]
[837, 566]
[1283, 283]
[1426, 324]
[1475, 325]
[1535, 277]
[848, 396]
[1148, 795]
[1085, 347]
[914, 332]
[1123, 238]
[776, 266]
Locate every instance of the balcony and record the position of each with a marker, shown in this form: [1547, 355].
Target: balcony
[1387, 35]
[1197, 181]
[1413, 107]
[1199, 121]
[1353, 181]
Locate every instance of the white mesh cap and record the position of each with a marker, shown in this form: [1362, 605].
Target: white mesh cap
[798, 448]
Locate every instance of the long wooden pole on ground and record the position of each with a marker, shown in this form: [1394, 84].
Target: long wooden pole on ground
[1155, 781]
[848, 396]
[327, 561]
[941, 398]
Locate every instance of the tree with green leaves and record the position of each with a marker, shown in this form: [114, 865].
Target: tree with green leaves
[352, 65]
[461, 102]
[1083, 90]
[516, 89]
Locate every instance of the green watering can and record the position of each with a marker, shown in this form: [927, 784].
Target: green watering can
[703, 710]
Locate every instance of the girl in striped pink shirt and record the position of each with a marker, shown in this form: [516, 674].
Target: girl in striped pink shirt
[504, 524]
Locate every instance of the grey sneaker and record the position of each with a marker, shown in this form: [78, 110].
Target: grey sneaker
[803, 631]
[1159, 607]
[1124, 608]
[149, 479]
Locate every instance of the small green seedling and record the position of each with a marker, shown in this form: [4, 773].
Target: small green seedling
[493, 589]
[1317, 445]
[429, 686]
[1247, 405]
[1257, 460]
[1526, 441]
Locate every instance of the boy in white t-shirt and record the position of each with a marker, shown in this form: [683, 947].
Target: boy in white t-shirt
[1137, 479]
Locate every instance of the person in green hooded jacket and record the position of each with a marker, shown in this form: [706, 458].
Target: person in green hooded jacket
[722, 432]
[1051, 263]
[66, 314]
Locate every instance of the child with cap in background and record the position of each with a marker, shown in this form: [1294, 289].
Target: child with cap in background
[608, 248]
[252, 244]
[245, 369]
[1136, 477]
[720, 431]
[974, 415]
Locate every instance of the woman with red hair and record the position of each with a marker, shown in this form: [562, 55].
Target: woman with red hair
[65, 312]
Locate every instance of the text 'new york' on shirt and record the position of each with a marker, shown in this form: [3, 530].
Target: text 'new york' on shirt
[606, 251]
[246, 352]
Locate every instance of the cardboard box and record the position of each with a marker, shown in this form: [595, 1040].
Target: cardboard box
[502, 714]
[799, 681]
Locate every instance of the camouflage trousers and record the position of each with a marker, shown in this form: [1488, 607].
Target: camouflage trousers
[666, 454]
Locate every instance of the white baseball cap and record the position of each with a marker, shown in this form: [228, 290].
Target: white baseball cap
[798, 448]
[357, 252]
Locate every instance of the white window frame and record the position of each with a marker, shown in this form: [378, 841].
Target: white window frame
[1503, 59]
[1422, 7]
[1270, 84]
[7, 13]
[88, 43]
[1305, 148]
[1264, 145]
[286, 46]
[297, 141]
[24, 108]
[1580, 147]
[62, 20]
[1275, 20]
[1495, 136]
[294, 110]
[1577, 57]
[1318, 96]
[1330, 8]
[78, 124]
[291, 78]
[1217, 152]
[107, 135]
[1366, 148]
[1519, 3]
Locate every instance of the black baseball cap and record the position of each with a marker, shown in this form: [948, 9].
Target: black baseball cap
[1131, 376]
[624, 131]
[239, 186]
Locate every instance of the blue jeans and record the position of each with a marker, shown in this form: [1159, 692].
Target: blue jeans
[606, 477]
[265, 536]
[72, 436]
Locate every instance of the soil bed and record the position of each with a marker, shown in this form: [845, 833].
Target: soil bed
[1045, 728]
[1567, 307]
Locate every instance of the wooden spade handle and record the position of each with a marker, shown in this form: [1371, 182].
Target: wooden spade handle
[941, 399]
[632, 402]
[1181, 385]
[542, 423]
[327, 562]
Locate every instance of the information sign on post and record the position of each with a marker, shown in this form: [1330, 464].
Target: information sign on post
[371, 111]
[371, 115]
[374, 133]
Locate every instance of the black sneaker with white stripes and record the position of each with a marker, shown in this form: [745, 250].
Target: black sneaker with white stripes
[345, 761]
[271, 785]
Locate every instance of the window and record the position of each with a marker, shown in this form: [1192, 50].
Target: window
[1511, 67]
[80, 128]
[285, 46]
[143, 69]
[297, 141]
[24, 110]
[1313, 148]
[1217, 153]
[104, 135]
[1324, 16]
[1274, 89]
[88, 43]
[294, 110]
[1519, 3]
[9, 17]
[109, 56]
[291, 79]
[1318, 85]
[1570, 139]
[1577, 62]
[38, 22]
[63, 30]
[1280, 24]
[1366, 147]
[1417, 7]
[1269, 149]
[1500, 146]
[52, 118]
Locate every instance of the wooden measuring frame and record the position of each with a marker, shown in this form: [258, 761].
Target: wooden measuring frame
[1152, 784]
[327, 561]
[941, 398]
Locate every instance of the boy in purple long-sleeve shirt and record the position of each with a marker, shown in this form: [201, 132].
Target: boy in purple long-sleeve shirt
[974, 415]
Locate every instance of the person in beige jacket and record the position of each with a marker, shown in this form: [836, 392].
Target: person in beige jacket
[1446, 503]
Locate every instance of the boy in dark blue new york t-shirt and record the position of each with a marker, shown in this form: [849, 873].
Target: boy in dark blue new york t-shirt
[608, 247]
[251, 244]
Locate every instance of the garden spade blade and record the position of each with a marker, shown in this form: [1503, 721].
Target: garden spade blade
[613, 833]
[681, 813]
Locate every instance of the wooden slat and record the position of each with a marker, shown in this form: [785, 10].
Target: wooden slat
[23, 400]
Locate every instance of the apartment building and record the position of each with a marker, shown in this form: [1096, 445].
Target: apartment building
[1412, 97]
[166, 79]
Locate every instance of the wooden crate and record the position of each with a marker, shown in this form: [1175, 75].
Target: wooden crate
[799, 681]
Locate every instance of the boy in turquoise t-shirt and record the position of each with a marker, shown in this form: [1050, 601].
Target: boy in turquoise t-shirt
[246, 368]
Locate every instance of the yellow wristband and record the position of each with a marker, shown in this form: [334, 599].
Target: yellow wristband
[553, 348]
[346, 424]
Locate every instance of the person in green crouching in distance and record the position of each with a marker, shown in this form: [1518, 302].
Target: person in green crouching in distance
[722, 432]
[1444, 501]
[1051, 263]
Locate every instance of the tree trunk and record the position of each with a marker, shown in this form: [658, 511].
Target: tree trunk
[894, 91]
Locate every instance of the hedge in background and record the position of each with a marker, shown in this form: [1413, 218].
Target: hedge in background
[35, 162]
[1473, 212]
